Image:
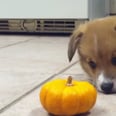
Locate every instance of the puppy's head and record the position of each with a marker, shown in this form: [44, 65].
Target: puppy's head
[96, 44]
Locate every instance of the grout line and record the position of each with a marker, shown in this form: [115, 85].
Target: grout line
[35, 87]
[6, 46]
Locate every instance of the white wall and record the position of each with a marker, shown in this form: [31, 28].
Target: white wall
[44, 9]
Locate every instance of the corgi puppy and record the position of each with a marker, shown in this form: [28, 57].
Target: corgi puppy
[95, 42]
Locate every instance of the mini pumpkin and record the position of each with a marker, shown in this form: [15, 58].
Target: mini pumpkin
[67, 97]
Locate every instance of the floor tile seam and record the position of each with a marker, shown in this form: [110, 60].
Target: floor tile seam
[3, 109]
[16, 43]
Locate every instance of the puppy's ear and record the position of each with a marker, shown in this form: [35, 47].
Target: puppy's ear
[74, 41]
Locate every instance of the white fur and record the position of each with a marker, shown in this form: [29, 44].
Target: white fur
[103, 79]
[99, 81]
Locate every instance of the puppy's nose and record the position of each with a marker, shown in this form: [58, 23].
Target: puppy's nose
[107, 87]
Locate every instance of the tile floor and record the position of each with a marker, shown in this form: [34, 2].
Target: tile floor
[28, 61]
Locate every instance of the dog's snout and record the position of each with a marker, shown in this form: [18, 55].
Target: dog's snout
[107, 87]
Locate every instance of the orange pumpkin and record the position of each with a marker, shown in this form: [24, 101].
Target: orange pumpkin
[67, 97]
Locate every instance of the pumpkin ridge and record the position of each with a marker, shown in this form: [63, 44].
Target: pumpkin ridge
[61, 108]
[58, 96]
[78, 93]
[89, 88]
[46, 106]
[67, 90]
[82, 95]
[62, 101]
[94, 97]
[78, 97]
[48, 85]
[79, 90]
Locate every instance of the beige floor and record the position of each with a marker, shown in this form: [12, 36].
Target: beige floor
[28, 61]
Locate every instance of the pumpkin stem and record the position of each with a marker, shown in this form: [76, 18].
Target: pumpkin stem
[69, 81]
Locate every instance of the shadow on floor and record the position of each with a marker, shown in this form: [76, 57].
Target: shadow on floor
[42, 112]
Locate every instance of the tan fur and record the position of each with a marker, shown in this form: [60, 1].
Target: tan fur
[97, 43]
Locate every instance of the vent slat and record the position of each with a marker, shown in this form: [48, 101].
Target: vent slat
[63, 26]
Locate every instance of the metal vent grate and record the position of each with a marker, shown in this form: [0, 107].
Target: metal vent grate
[4, 25]
[39, 25]
[56, 26]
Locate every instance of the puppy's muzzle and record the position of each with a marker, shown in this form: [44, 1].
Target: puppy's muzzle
[106, 84]
[107, 87]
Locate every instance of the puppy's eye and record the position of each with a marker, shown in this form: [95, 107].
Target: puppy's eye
[92, 64]
[113, 60]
